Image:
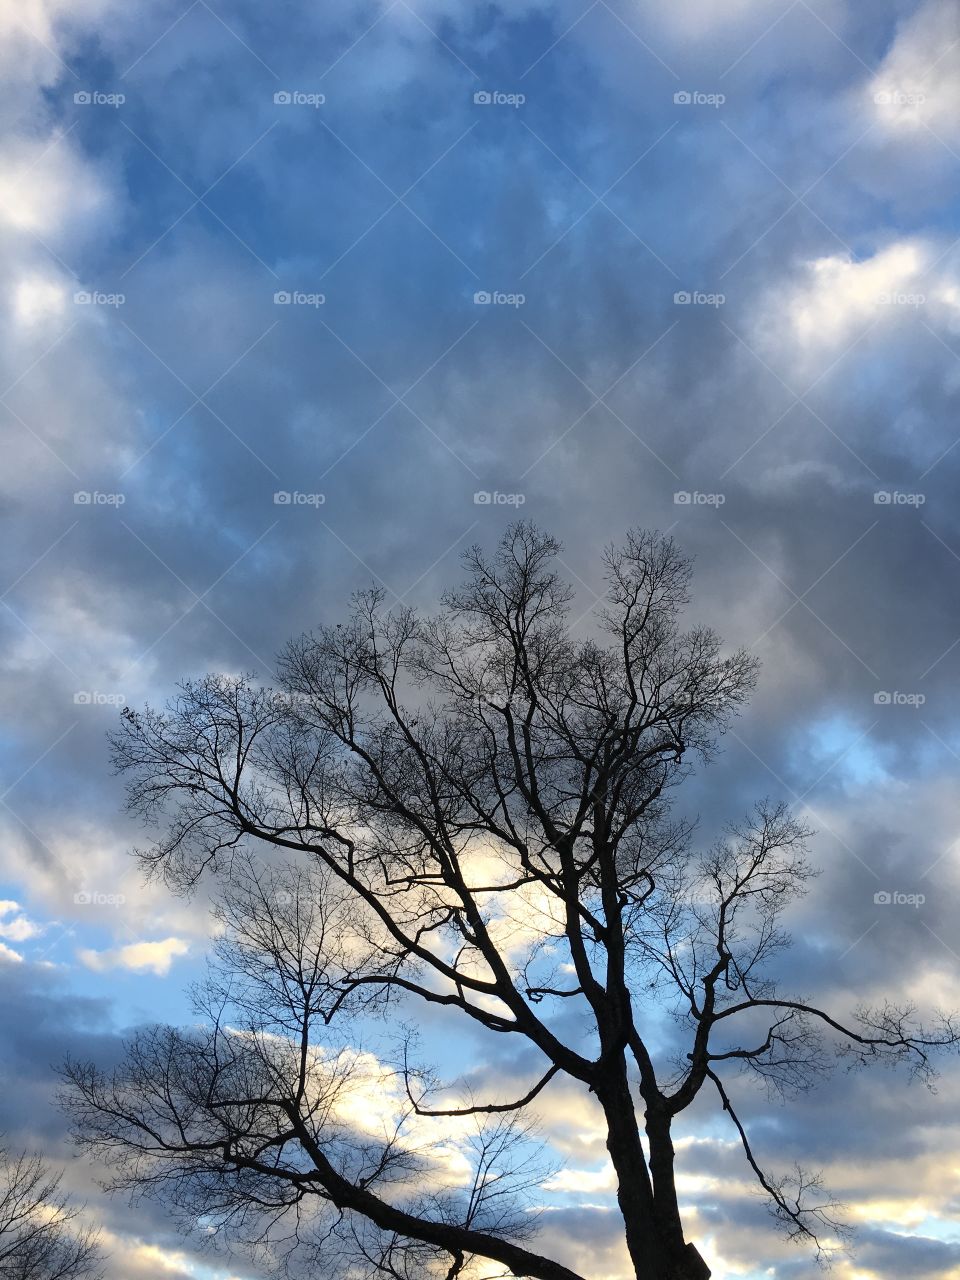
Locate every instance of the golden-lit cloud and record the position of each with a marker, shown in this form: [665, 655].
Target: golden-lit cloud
[139, 957]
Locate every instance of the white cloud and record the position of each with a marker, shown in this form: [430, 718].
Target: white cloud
[48, 190]
[38, 298]
[840, 294]
[33, 36]
[7, 953]
[917, 86]
[135, 1259]
[582, 1181]
[139, 957]
[18, 929]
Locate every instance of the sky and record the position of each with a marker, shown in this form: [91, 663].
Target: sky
[297, 298]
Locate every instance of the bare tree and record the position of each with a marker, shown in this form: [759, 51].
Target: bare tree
[38, 1236]
[482, 809]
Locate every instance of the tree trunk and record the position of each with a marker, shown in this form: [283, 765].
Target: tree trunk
[650, 1213]
[685, 1262]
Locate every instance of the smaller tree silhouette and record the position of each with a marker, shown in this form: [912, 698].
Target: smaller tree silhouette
[478, 806]
[39, 1239]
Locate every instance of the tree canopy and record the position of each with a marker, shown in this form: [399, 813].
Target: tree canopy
[471, 814]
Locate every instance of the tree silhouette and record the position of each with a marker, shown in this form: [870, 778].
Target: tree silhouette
[471, 814]
[38, 1238]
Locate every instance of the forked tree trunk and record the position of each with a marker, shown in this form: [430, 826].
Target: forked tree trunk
[647, 1196]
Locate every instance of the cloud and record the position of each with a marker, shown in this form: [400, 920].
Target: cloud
[55, 196]
[586, 1182]
[133, 1259]
[201, 570]
[55, 1020]
[916, 89]
[843, 294]
[39, 299]
[139, 957]
[18, 929]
